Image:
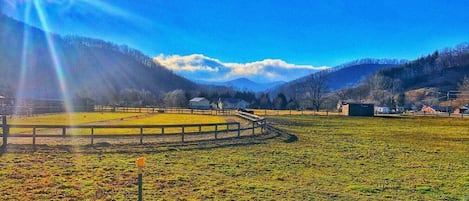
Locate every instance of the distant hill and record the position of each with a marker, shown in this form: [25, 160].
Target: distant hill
[438, 72]
[441, 69]
[89, 66]
[343, 76]
[244, 84]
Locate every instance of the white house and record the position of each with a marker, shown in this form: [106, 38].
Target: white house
[232, 103]
[199, 103]
[382, 110]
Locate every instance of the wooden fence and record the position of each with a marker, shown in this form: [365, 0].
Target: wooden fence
[103, 108]
[65, 131]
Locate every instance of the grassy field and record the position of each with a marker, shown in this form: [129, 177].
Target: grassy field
[68, 118]
[336, 158]
[118, 119]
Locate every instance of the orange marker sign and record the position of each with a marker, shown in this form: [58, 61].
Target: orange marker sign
[141, 162]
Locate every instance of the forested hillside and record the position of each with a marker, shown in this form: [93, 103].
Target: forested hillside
[442, 69]
[38, 61]
[343, 76]
[426, 80]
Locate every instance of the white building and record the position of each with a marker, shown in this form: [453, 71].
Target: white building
[199, 103]
[232, 103]
[382, 110]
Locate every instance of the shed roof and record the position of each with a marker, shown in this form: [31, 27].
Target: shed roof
[356, 103]
[198, 99]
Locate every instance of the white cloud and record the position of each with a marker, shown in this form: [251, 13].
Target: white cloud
[200, 67]
[272, 68]
[194, 62]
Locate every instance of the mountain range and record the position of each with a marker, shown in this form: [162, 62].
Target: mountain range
[340, 77]
[439, 77]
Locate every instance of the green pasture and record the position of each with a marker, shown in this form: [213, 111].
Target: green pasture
[335, 158]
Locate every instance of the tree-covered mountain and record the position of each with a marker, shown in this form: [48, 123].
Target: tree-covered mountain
[425, 80]
[343, 76]
[41, 63]
[442, 69]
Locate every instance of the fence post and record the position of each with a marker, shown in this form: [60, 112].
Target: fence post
[239, 129]
[92, 135]
[6, 131]
[263, 126]
[200, 129]
[140, 165]
[216, 131]
[141, 135]
[253, 124]
[182, 134]
[34, 136]
[162, 130]
[64, 130]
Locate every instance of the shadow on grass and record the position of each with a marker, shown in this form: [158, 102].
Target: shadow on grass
[391, 116]
[160, 147]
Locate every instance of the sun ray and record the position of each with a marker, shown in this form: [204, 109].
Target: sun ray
[115, 11]
[55, 58]
[20, 91]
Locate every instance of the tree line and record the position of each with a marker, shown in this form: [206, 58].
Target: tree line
[180, 98]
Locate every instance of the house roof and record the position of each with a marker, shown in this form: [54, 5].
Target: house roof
[198, 99]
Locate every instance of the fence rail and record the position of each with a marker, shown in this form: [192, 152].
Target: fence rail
[143, 131]
[101, 108]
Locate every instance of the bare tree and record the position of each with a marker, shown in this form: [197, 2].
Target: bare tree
[463, 91]
[280, 102]
[314, 90]
[176, 98]
[464, 85]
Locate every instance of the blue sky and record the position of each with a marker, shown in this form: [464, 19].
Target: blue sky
[305, 34]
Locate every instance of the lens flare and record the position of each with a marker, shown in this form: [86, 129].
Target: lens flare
[55, 58]
[24, 59]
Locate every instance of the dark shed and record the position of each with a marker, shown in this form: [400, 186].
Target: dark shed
[358, 109]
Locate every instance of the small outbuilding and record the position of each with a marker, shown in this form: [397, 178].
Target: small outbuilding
[200, 103]
[358, 109]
